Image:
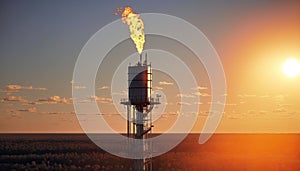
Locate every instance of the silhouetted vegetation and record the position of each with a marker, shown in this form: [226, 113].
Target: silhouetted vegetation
[55, 152]
[221, 152]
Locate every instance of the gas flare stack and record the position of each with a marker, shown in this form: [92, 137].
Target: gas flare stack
[139, 106]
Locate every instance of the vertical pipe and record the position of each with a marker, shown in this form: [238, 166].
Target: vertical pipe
[139, 163]
[134, 121]
[139, 122]
[128, 123]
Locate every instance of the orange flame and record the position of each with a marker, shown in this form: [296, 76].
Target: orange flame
[136, 26]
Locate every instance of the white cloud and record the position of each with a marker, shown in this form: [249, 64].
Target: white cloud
[198, 103]
[165, 83]
[200, 88]
[220, 103]
[103, 100]
[103, 88]
[34, 88]
[201, 94]
[14, 87]
[157, 88]
[169, 103]
[13, 99]
[31, 110]
[54, 100]
[183, 103]
[185, 95]
[79, 87]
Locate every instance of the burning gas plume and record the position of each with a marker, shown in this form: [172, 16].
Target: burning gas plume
[136, 26]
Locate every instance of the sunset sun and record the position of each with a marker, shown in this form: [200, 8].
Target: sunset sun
[291, 67]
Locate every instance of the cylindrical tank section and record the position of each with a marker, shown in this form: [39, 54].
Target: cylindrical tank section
[139, 84]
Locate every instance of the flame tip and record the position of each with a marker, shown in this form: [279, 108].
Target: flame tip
[136, 26]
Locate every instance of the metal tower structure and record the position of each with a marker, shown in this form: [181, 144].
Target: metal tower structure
[139, 106]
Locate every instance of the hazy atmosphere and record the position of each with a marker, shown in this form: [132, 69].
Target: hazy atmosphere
[41, 40]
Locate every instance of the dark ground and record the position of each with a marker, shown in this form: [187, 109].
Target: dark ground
[221, 152]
